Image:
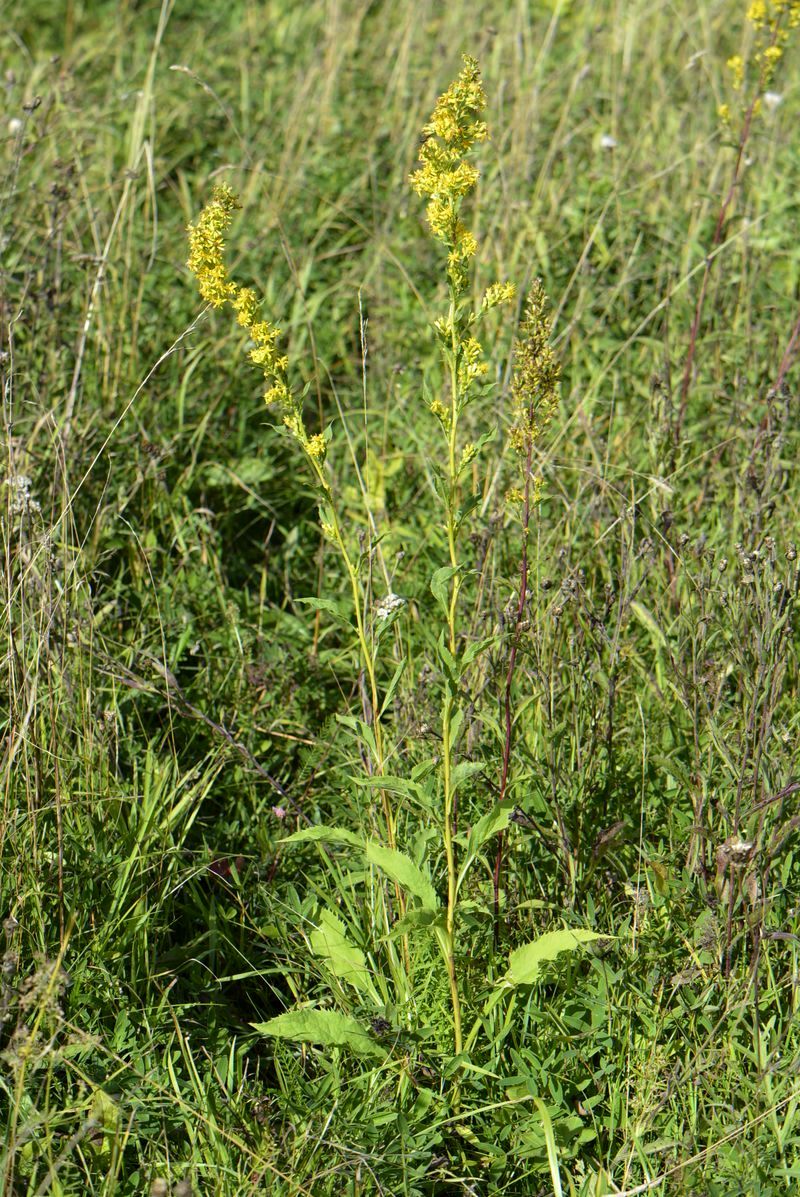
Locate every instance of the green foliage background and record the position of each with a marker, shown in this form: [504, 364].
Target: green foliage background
[173, 710]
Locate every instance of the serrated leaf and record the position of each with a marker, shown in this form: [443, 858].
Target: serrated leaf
[525, 964]
[329, 941]
[326, 835]
[401, 868]
[325, 1027]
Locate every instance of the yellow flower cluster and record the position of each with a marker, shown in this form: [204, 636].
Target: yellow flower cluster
[537, 373]
[207, 246]
[766, 14]
[445, 176]
[772, 19]
[496, 294]
[472, 367]
[735, 65]
[206, 262]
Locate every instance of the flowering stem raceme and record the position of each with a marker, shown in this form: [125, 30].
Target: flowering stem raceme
[445, 177]
[535, 391]
[206, 261]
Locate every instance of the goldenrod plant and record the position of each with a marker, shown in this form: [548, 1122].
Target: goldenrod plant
[446, 177]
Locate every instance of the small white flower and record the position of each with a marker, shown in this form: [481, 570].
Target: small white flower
[387, 606]
[772, 99]
[21, 498]
[15, 126]
[608, 142]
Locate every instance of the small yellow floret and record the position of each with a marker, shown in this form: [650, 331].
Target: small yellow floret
[736, 68]
[498, 293]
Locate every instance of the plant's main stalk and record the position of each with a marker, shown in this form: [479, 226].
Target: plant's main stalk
[445, 177]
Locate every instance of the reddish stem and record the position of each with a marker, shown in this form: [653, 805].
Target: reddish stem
[512, 661]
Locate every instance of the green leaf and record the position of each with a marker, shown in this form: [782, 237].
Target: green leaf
[440, 588]
[449, 663]
[106, 1114]
[390, 689]
[493, 822]
[395, 785]
[456, 724]
[330, 608]
[329, 941]
[402, 869]
[649, 621]
[552, 1150]
[524, 964]
[419, 919]
[462, 771]
[327, 835]
[325, 1027]
[475, 649]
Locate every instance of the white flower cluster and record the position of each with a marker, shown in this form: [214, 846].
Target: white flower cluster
[21, 499]
[388, 606]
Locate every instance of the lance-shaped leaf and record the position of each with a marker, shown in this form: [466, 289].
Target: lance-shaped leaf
[325, 1027]
[525, 964]
[490, 824]
[325, 835]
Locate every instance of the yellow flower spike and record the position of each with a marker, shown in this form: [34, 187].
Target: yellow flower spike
[207, 244]
[316, 447]
[246, 306]
[206, 250]
[445, 176]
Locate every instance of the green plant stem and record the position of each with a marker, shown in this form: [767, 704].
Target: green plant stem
[449, 702]
[363, 644]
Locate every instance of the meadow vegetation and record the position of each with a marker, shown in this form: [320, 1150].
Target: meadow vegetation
[400, 778]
